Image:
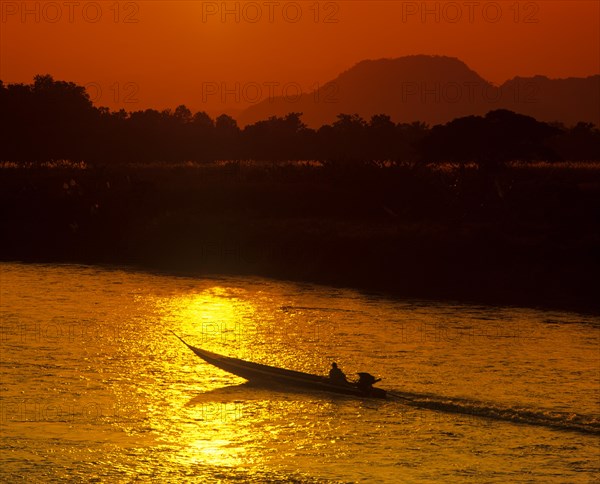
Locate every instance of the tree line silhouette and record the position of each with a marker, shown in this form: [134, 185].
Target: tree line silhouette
[52, 120]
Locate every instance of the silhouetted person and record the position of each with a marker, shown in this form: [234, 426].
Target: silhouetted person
[336, 375]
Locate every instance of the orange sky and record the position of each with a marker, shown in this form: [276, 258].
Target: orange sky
[164, 53]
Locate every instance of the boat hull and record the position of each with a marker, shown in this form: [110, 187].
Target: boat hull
[280, 377]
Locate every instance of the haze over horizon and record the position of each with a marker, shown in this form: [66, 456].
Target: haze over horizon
[236, 46]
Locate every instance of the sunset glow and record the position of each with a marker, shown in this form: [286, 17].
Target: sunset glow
[299, 241]
[136, 55]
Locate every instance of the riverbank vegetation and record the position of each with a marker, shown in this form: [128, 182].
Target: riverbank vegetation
[522, 234]
[52, 120]
[500, 208]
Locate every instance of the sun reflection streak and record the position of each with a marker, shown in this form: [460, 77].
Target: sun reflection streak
[212, 318]
[229, 320]
[216, 317]
[218, 451]
[96, 388]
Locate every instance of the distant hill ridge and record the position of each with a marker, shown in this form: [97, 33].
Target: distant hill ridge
[434, 89]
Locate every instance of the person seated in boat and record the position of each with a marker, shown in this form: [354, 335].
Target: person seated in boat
[336, 375]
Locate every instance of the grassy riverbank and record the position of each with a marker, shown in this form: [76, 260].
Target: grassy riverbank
[520, 234]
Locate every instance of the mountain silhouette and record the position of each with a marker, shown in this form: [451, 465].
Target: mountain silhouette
[434, 90]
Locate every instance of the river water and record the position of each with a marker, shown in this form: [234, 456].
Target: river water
[95, 388]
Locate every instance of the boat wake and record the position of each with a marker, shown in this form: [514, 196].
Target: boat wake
[556, 420]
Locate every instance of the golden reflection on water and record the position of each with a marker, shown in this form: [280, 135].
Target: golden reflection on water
[233, 425]
[218, 452]
[215, 315]
[95, 384]
[246, 325]
[215, 319]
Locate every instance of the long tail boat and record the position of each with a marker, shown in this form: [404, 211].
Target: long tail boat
[281, 378]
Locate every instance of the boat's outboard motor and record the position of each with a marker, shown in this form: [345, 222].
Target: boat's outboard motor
[366, 381]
